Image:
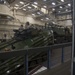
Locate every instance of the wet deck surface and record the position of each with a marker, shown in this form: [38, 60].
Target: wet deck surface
[63, 69]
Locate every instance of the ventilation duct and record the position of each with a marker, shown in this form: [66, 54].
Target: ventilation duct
[5, 13]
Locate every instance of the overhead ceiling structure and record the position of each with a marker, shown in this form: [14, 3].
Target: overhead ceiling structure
[42, 8]
[10, 1]
[5, 11]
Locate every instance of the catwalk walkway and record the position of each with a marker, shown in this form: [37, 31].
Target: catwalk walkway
[62, 69]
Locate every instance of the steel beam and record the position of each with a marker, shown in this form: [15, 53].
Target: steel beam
[65, 19]
[64, 13]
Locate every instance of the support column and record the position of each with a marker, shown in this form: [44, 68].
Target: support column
[73, 41]
[62, 56]
[49, 59]
[26, 64]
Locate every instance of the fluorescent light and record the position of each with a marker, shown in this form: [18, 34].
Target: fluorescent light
[21, 2]
[24, 9]
[69, 4]
[45, 6]
[53, 9]
[53, 3]
[61, 7]
[29, 7]
[62, 0]
[16, 5]
[35, 3]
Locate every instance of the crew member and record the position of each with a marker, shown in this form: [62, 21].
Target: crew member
[27, 25]
[21, 28]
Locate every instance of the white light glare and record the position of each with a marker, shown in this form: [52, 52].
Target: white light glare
[69, 4]
[35, 3]
[53, 3]
[21, 2]
[62, 0]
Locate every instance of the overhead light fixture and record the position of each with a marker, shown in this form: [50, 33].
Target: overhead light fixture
[18, 65]
[8, 17]
[21, 8]
[24, 9]
[21, 2]
[38, 13]
[66, 9]
[53, 3]
[42, 19]
[44, 0]
[47, 18]
[61, 7]
[45, 6]
[34, 6]
[62, 0]
[53, 9]
[59, 11]
[29, 7]
[24, 6]
[16, 5]
[4, 2]
[53, 22]
[69, 4]
[35, 3]
[8, 72]
[33, 14]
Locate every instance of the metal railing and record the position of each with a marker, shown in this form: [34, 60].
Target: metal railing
[26, 52]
